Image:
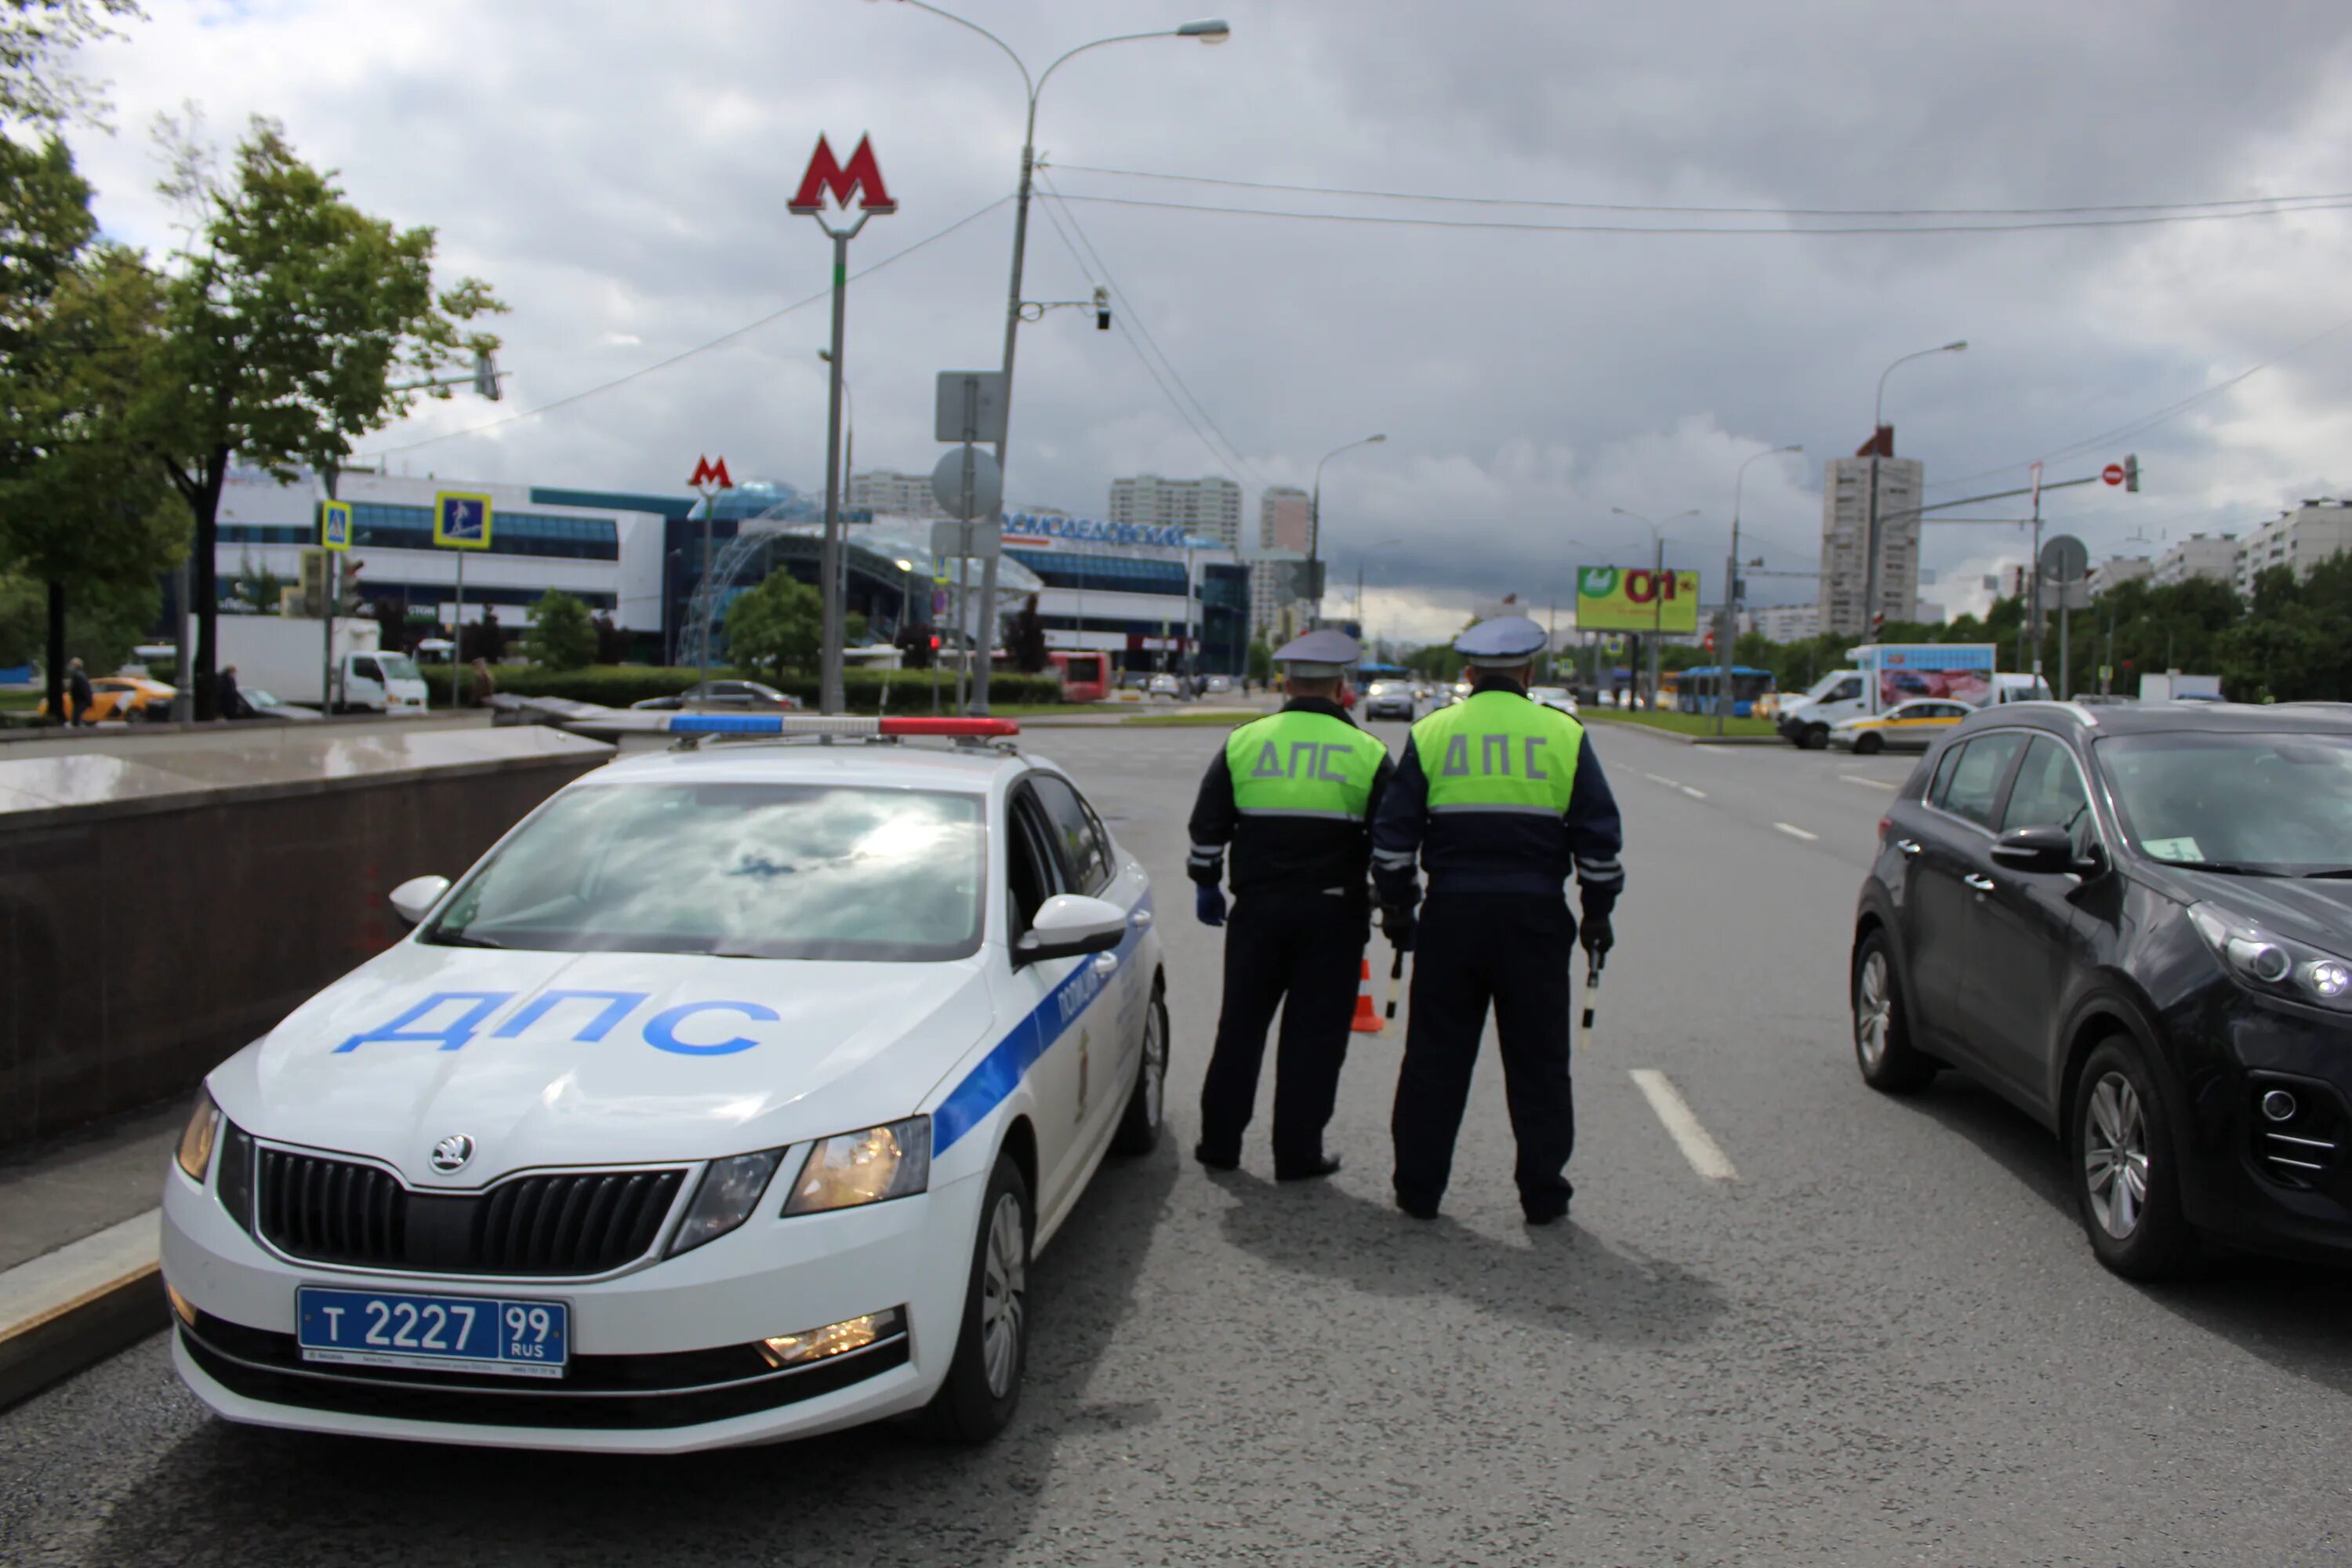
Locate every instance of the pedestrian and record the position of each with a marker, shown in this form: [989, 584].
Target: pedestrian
[79, 695]
[1498, 798]
[1292, 794]
[485, 685]
[227, 700]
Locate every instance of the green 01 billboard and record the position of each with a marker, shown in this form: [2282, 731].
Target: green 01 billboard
[1636, 599]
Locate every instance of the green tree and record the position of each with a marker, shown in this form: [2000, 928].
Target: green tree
[776, 627]
[1261, 662]
[562, 635]
[292, 319]
[36, 37]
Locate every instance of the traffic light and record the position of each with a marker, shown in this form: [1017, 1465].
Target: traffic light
[1102, 309]
[2131, 473]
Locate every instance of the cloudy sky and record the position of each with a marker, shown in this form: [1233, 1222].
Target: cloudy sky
[619, 171]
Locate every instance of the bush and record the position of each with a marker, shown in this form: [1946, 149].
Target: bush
[562, 637]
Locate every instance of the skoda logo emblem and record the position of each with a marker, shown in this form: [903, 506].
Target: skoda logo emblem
[450, 1154]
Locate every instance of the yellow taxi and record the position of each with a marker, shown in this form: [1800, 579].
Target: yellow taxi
[1907, 727]
[130, 698]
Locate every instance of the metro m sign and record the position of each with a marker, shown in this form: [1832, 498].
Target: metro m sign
[862, 178]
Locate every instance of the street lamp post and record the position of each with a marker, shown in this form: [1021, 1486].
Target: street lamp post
[1314, 526]
[1870, 529]
[1657, 593]
[1211, 31]
[1726, 638]
[849, 477]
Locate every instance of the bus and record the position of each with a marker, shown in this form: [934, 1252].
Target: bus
[1086, 677]
[1703, 686]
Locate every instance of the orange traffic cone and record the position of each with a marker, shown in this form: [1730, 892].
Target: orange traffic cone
[1368, 1020]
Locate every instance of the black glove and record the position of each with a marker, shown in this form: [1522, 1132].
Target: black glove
[1597, 937]
[1209, 904]
[1398, 924]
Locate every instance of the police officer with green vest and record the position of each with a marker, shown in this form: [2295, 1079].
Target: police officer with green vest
[1292, 794]
[1498, 798]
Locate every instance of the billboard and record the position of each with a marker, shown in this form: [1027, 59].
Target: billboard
[1636, 599]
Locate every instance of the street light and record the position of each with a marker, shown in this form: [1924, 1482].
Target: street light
[1315, 525]
[1870, 530]
[849, 468]
[1727, 637]
[1657, 571]
[1210, 31]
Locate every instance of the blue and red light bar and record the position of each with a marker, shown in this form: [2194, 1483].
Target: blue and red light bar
[821, 724]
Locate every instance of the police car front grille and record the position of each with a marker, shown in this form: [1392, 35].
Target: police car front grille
[340, 1211]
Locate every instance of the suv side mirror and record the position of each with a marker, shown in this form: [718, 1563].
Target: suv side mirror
[1068, 925]
[2046, 849]
[415, 898]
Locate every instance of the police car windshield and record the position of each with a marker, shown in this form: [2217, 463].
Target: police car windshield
[2265, 803]
[733, 871]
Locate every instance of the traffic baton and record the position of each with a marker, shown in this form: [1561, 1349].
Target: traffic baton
[1396, 978]
[1591, 985]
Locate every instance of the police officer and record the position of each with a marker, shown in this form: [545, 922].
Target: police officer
[1498, 798]
[1292, 794]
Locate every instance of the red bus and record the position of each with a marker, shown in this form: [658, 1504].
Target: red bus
[1086, 677]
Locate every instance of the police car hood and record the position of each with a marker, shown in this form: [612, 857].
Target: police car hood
[599, 1057]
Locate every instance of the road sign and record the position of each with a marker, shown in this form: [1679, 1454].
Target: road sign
[978, 541]
[2065, 559]
[461, 520]
[971, 405]
[861, 177]
[335, 524]
[2113, 473]
[1609, 599]
[709, 476]
[938, 603]
[979, 495]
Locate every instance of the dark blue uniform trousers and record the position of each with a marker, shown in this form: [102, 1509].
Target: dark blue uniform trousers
[1301, 951]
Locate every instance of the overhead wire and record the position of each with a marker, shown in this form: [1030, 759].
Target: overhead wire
[680, 357]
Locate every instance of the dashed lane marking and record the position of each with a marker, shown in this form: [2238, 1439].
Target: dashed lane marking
[1871, 784]
[1661, 779]
[1694, 794]
[1793, 831]
[1704, 1154]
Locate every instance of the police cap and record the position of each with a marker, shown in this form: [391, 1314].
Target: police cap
[1319, 656]
[1506, 642]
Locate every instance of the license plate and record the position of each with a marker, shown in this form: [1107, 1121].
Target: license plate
[473, 1333]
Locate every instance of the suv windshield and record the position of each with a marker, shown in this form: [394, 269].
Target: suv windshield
[734, 870]
[2279, 802]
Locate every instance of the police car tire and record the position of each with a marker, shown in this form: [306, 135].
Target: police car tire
[1146, 1106]
[1900, 1066]
[966, 1410]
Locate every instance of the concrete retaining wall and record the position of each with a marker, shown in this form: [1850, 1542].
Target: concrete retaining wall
[157, 913]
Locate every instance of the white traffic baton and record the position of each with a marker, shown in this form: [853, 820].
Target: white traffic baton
[1591, 986]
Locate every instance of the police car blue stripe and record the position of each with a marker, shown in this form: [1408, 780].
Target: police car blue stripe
[1000, 1072]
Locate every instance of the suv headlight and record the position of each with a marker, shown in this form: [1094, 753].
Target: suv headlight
[852, 1168]
[194, 1153]
[731, 1190]
[2268, 962]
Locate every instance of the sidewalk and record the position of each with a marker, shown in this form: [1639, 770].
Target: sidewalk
[78, 1239]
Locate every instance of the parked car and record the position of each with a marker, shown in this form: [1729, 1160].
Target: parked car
[1218, 686]
[2136, 923]
[1166, 685]
[1554, 697]
[268, 705]
[130, 698]
[751, 695]
[1906, 727]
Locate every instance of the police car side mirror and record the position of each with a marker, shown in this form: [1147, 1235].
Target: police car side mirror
[415, 898]
[1069, 925]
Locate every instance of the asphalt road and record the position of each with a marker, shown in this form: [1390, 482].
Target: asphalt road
[1882, 1341]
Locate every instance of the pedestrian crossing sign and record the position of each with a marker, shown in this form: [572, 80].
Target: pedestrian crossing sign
[335, 524]
[461, 520]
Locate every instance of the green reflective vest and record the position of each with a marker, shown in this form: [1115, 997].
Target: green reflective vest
[1302, 764]
[1498, 752]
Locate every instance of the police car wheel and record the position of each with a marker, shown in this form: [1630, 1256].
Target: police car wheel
[983, 1382]
[1139, 1126]
[1882, 1029]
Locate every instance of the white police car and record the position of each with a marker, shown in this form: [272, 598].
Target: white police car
[726, 1099]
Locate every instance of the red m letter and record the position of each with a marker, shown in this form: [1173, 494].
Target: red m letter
[707, 472]
[862, 178]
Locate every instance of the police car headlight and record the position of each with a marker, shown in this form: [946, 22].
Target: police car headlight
[731, 1190]
[868, 1167]
[194, 1153]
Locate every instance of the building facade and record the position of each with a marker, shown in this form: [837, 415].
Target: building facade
[1786, 623]
[1154, 597]
[2198, 555]
[2118, 570]
[1846, 516]
[1285, 519]
[2298, 541]
[1207, 508]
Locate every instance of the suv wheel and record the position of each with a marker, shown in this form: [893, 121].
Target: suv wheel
[2124, 1180]
[1881, 1028]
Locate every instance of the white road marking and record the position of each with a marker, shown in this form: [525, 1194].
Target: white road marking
[1795, 832]
[1704, 1154]
[1660, 779]
[1871, 784]
[1694, 794]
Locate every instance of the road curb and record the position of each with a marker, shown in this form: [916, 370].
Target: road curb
[79, 1304]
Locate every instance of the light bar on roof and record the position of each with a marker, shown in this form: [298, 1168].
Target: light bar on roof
[821, 724]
